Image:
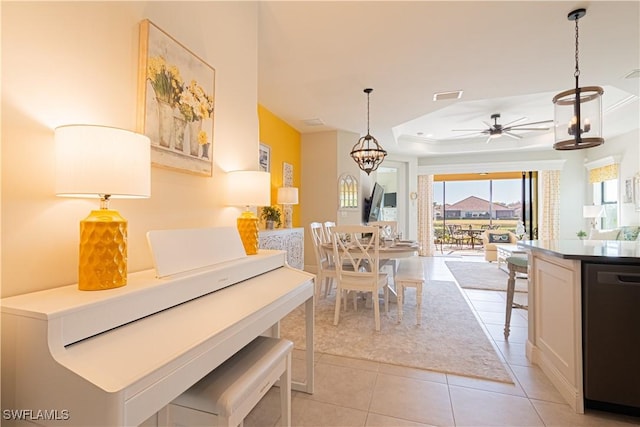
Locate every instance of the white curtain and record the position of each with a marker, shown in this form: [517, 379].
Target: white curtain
[550, 210]
[425, 214]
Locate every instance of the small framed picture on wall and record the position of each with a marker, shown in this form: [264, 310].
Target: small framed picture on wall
[265, 158]
[636, 191]
[628, 191]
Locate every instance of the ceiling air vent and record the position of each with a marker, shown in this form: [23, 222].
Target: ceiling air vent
[441, 96]
[313, 122]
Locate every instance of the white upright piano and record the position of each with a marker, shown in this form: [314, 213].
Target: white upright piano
[117, 357]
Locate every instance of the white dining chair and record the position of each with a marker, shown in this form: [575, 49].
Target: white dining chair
[357, 266]
[389, 231]
[324, 261]
[328, 230]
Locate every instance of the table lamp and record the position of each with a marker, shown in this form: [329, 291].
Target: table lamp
[248, 188]
[593, 212]
[102, 162]
[287, 196]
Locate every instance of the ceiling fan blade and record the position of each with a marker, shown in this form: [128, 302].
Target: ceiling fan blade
[468, 130]
[489, 125]
[532, 123]
[512, 135]
[514, 121]
[489, 139]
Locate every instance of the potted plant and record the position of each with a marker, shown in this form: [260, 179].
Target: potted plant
[271, 216]
[581, 234]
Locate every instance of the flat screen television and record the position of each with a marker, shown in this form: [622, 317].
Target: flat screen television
[373, 206]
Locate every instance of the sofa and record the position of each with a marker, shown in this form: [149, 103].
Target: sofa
[625, 233]
[492, 237]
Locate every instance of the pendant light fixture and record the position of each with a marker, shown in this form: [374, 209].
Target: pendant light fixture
[367, 153]
[578, 112]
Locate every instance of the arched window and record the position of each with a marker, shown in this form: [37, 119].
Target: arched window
[348, 191]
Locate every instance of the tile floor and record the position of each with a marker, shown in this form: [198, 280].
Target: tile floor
[351, 392]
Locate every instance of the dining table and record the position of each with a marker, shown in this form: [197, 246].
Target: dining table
[474, 234]
[389, 250]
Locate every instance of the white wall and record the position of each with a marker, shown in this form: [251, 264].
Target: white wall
[77, 62]
[318, 175]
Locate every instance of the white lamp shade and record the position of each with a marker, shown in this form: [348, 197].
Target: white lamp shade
[288, 196]
[248, 188]
[593, 211]
[98, 160]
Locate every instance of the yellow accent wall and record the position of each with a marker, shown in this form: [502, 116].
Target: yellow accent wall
[284, 142]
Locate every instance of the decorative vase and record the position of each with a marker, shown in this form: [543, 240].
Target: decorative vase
[205, 150]
[177, 133]
[194, 130]
[269, 224]
[165, 122]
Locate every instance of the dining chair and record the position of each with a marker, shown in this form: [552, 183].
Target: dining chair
[328, 230]
[388, 229]
[456, 234]
[324, 261]
[357, 260]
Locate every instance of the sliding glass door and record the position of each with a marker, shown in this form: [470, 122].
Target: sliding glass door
[482, 201]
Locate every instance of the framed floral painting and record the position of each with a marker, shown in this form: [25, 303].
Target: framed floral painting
[175, 102]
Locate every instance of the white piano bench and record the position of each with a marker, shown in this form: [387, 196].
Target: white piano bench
[226, 395]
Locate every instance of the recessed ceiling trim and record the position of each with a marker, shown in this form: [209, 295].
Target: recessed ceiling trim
[524, 165]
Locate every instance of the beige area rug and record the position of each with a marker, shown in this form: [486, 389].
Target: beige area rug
[483, 275]
[450, 339]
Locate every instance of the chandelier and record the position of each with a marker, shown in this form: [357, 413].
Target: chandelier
[367, 153]
[578, 112]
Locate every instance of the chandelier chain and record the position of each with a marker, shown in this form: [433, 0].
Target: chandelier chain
[368, 93]
[577, 72]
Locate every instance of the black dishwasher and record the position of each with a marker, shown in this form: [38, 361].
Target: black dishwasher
[611, 336]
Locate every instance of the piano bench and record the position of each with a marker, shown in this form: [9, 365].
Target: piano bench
[226, 395]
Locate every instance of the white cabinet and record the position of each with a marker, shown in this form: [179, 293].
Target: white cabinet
[555, 323]
[285, 239]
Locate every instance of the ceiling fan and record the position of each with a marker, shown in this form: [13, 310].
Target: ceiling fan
[496, 130]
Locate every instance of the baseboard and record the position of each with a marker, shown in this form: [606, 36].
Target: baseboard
[569, 393]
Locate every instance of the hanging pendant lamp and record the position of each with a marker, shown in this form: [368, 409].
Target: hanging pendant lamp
[578, 112]
[367, 153]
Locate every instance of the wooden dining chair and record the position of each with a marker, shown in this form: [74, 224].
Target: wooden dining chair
[389, 231]
[328, 230]
[389, 228]
[324, 260]
[357, 265]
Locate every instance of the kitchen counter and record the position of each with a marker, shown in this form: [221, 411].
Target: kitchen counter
[587, 250]
[557, 279]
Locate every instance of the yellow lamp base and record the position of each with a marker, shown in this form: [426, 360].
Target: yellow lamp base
[103, 251]
[248, 229]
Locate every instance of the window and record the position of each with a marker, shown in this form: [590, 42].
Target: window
[604, 180]
[605, 193]
[348, 191]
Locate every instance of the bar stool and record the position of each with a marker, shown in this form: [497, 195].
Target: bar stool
[516, 264]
